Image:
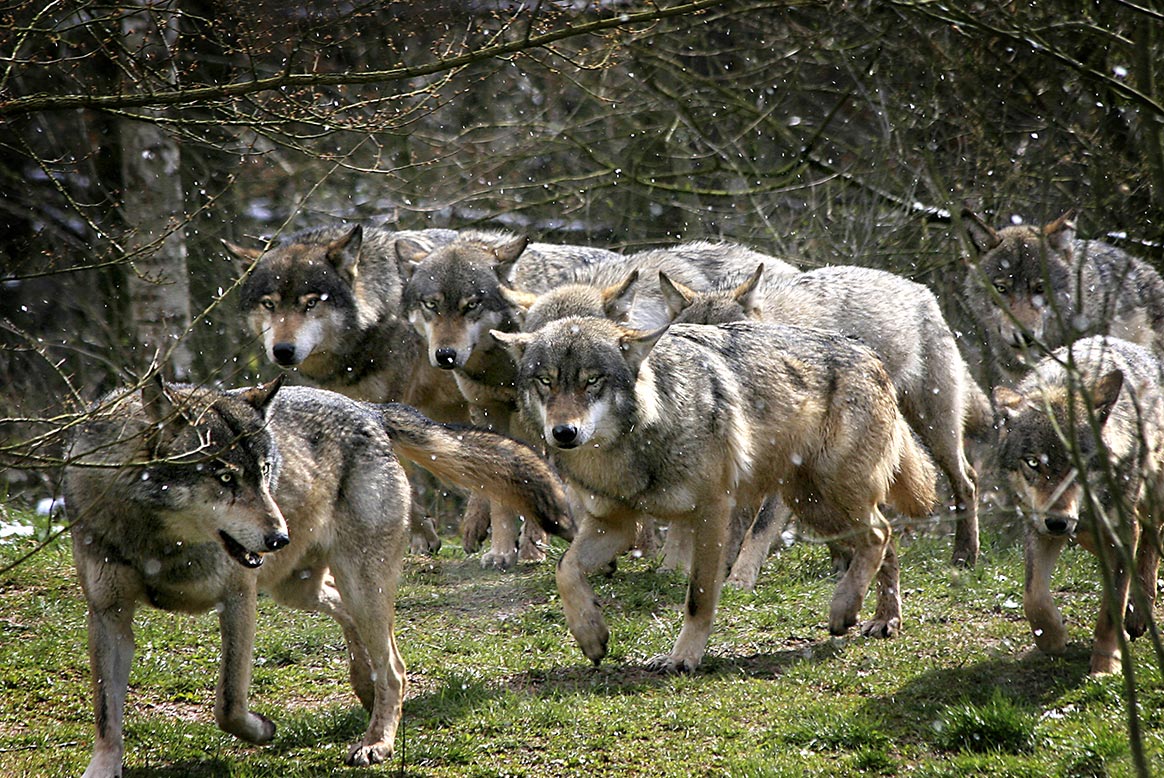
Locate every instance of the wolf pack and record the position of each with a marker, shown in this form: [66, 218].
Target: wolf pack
[701, 395]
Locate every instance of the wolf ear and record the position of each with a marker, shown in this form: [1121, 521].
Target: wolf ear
[344, 253]
[1007, 401]
[260, 396]
[165, 419]
[676, 295]
[507, 254]
[617, 299]
[409, 254]
[513, 342]
[747, 294]
[1061, 233]
[1106, 392]
[243, 258]
[636, 345]
[519, 299]
[981, 234]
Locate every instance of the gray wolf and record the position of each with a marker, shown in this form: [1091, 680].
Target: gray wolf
[682, 423]
[901, 321]
[189, 498]
[1033, 289]
[453, 298]
[1082, 441]
[326, 302]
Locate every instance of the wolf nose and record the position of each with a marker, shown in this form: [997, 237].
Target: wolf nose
[446, 357]
[1056, 525]
[276, 540]
[284, 353]
[565, 434]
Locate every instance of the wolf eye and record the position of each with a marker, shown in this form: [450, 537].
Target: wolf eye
[472, 305]
[1037, 288]
[268, 304]
[311, 303]
[544, 380]
[1001, 287]
[593, 380]
[1032, 462]
[429, 305]
[226, 477]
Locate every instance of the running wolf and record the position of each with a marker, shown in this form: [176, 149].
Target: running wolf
[1032, 290]
[327, 302]
[452, 297]
[1082, 439]
[189, 498]
[682, 422]
[903, 324]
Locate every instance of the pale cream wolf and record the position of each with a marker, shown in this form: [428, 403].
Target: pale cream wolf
[683, 423]
[326, 303]
[1082, 440]
[452, 298]
[903, 323]
[1033, 289]
[190, 499]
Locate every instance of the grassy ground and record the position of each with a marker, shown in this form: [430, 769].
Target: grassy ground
[498, 687]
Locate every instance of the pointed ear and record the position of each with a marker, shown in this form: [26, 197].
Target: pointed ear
[617, 299]
[981, 234]
[520, 300]
[1008, 401]
[409, 254]
[156, 401]
[344, 253]
[747, 294]
[243, 259]
[676, 295]
[513, 342]
[1061, 233]
[636, 345]
[1107, 391]
[260, 396]
[507, 254]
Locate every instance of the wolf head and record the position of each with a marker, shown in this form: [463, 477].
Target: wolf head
[1052, 438]
[715, 307]
[299, 298]
[452, 294]
[209, 467]
[572, 300]
[577, 378]
[1025, 273]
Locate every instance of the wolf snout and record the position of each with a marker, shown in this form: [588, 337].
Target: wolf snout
[565, 435]
[445, 357]
[1057, 525]
[284, 354]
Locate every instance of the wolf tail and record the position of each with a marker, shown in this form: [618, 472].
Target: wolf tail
[978, 419]
[913, 490]
[504, 469]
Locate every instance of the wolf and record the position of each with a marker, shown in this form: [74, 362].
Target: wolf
[1082, 442]
[190, 498]
[1033, 289]
[327, 302]
[452, 297]
[902, 322]
[683, 422]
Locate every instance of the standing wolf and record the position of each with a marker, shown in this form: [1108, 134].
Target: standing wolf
[327, 302]
[903, 323]
[190, 499]
[1082, 439]
[1032, 290]
[682, 423]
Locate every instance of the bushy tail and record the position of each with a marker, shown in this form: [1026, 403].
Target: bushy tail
[978, 422]
[505, 470]
[913, 490]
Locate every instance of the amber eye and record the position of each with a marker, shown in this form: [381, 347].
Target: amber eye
[1001, 288]
[544, 380]
[225, 477]
[429, 305]
[472, 305]
[1032, 462]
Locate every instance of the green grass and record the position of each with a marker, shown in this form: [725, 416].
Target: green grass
[498, 687]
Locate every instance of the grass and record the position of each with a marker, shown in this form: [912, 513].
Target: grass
[498, 687]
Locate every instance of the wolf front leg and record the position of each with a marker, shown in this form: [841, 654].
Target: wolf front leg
[598, 542]
[110, 657]
[1041, 552]
[710, 529]
[236, 623]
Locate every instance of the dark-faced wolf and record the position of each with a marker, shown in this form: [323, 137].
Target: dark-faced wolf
[453, 298]
[683, 423]
[190, 499]
[1082, 440]
[1034, 289]
[903, 324]
[326, 302]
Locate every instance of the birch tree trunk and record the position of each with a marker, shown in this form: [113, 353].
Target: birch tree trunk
[152, 200]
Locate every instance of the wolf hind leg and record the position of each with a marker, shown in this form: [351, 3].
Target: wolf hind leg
[770, 522]
[868, 546]
[1139, 611]
[886, 621]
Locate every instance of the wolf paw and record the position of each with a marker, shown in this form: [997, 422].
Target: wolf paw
[362, 755]
[881, 628]
[498, 560]
[531, 552]
[593, 636]
[253, 728]
[1134, 623]
[665, 664]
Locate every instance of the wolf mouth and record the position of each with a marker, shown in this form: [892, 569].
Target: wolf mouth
[244, 557]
